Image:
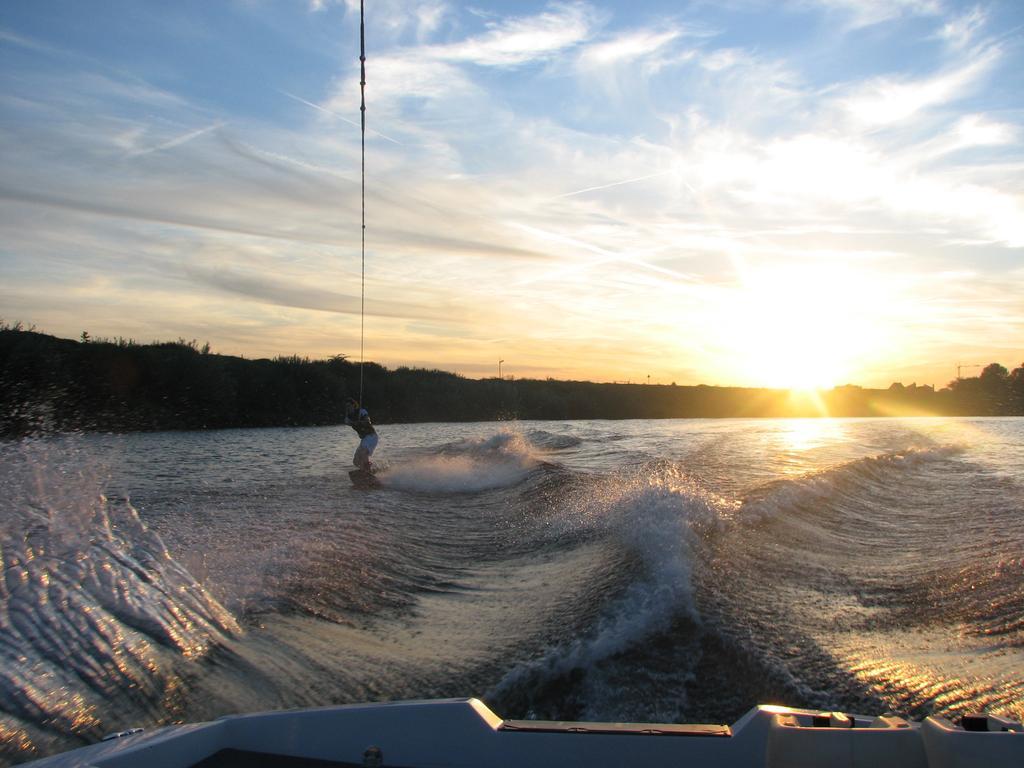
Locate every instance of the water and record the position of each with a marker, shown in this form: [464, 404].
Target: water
[607, 570]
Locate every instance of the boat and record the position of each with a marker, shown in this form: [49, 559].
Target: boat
[464, 733]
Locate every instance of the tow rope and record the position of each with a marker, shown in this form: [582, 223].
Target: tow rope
[362, 142]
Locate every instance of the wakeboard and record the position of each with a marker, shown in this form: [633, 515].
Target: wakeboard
[363, 479]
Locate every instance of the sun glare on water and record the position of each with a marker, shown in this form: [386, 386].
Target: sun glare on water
[800, 328]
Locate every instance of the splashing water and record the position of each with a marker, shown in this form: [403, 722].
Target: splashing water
[468, 466]
[657, 517]
[92, 605]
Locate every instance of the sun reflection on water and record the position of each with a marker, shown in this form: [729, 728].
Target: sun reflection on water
[927, 675]
[807, 434]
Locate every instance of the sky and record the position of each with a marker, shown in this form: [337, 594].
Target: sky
[788, 193]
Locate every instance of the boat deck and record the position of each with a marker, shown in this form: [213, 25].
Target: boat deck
[465, 733]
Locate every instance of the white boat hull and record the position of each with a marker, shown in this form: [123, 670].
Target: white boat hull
[465, 733]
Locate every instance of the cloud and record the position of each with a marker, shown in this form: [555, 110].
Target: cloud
[885, 100]
[129, 91]
[429, 18]
[865, 13]
[145, 210]
[177, 141]
[32, 44]
[390, 21]
[611, 184]
[279, 289]
[722, 58]
[407, 76]
[411, 86]
[518, 40]
[324, 178]
[625, 48]
[324, 110]
[960, 32]
[562, 182]
[618, 68]
[971, 131]
[816, 177]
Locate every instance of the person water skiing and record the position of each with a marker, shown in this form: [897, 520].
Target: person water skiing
[359, 419]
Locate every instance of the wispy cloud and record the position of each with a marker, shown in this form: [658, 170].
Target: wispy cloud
[517, 40]
[604, 255]
[962, 30]
[970, 131]
[8, 37]
[613, 184]
[626, 48]
[146, 211]
[281, 290]
[865, 13]
[331, 113]
[177, 141]
[886, 100]
[317, 107]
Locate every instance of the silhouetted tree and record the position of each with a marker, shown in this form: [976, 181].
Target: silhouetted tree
[49, 384]
[1015, 385]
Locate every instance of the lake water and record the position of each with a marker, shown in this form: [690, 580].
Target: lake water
[606, 570]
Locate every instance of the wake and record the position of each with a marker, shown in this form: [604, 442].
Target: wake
[468, 466]
[657, 517]
[92, 604]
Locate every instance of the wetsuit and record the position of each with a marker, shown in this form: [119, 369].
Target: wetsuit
[359, 420]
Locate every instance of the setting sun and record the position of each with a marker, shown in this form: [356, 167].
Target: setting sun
[799, 326]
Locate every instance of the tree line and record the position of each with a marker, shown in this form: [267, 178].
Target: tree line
[49, 385]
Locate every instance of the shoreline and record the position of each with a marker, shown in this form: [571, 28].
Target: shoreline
[50, 385]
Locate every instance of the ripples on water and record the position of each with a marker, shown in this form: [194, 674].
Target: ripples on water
[659, 570]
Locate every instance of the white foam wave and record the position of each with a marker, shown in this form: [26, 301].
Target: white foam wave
[469, 466]
[508, 443]
[659, 519]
